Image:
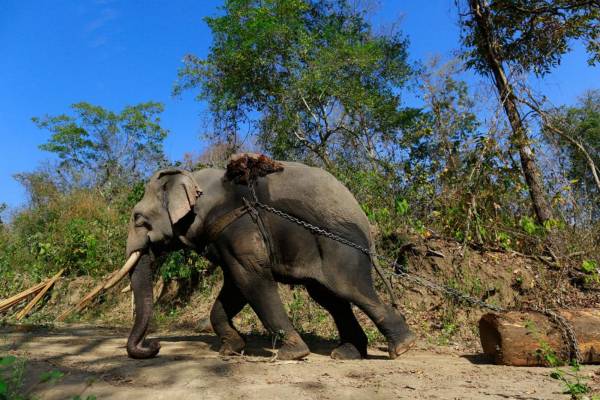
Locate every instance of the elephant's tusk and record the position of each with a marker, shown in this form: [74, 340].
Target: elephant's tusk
[131, 262]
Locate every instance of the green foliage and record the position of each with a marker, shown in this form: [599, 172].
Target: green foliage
[582, 123]
[296, 306]
[532, 35]
[312, 76]
[181, 265]
[574, 383]
[12, 374]
[99, 148]
[12, 371]
[3, 207]
[51, 376]
[402, 207]
[528, 224]
[81, 231]
[589, 266]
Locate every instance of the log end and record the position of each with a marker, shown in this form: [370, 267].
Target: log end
[491, 340]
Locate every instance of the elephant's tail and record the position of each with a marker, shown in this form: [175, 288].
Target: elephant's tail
[386, 281]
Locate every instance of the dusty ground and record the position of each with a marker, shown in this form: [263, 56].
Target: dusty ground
[188, 367]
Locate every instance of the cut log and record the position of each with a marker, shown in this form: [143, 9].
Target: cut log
[524, 338]
[11, 301]
[49, 283]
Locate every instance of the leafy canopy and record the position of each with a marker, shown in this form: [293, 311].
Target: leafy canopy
[532, 35]
[98, 147]
[310, 75]
[582, 123]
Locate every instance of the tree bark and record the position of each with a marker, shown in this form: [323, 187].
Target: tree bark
[523, 338]
[531, 172]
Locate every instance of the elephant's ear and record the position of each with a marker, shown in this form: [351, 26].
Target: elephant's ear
[181, 192]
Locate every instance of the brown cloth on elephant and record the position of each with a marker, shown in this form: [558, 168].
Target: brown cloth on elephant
[247, 167]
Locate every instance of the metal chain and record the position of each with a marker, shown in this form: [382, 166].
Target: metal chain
[566, 331]
[565, 327]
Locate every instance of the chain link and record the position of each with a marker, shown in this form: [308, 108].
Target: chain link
[573, 352]
[398, 270]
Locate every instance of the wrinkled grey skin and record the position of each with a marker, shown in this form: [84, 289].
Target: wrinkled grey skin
[171, 215]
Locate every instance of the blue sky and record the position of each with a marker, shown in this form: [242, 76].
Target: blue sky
[114, 53]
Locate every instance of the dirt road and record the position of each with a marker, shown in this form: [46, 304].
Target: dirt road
[188, 367]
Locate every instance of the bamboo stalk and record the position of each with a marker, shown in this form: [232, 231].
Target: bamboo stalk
[11, 301]
[49, 283]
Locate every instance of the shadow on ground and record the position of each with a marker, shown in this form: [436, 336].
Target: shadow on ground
[94, 362]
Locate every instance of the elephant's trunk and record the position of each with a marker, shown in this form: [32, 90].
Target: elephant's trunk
[141, 284]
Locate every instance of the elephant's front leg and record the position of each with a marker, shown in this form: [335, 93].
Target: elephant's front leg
[261, 292]
[264, 299]
[228, 304]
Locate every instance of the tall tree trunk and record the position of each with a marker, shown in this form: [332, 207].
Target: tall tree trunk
[519, 138]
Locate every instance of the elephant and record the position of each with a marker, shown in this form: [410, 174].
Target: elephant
[205, 211]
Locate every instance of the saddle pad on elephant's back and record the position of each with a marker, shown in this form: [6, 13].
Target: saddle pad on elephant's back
[246, 167]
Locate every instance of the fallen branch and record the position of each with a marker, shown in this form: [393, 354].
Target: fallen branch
[546, 119]
[49, 283]
[84, 302]
[108, 283]
[11, 301]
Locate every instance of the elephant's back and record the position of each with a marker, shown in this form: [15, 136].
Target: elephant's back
[316, 196]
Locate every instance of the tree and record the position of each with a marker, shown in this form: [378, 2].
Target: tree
[452, 117]
[577, 131]
[97, 147]
[309, 75]
[3, 207]
[526, 36]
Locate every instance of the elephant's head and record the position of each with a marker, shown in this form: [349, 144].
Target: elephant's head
[156, 223]
[169, 197]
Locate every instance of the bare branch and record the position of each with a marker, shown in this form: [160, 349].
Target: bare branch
[535, 106]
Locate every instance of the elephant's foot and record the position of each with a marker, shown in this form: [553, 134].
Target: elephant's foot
[293, 348]
[346, 351]
[232, 345]
[400, 346]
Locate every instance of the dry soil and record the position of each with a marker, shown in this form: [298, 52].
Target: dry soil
[189, 367]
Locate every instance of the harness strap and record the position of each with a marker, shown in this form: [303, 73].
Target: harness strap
[256, 217]
[215, 229]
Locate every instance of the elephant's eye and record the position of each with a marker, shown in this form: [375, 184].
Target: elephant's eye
[139, 220]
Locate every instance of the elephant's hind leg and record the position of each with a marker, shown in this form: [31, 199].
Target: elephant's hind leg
[353, 282]
[390, 322]
[227, 305]
[353, 341]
